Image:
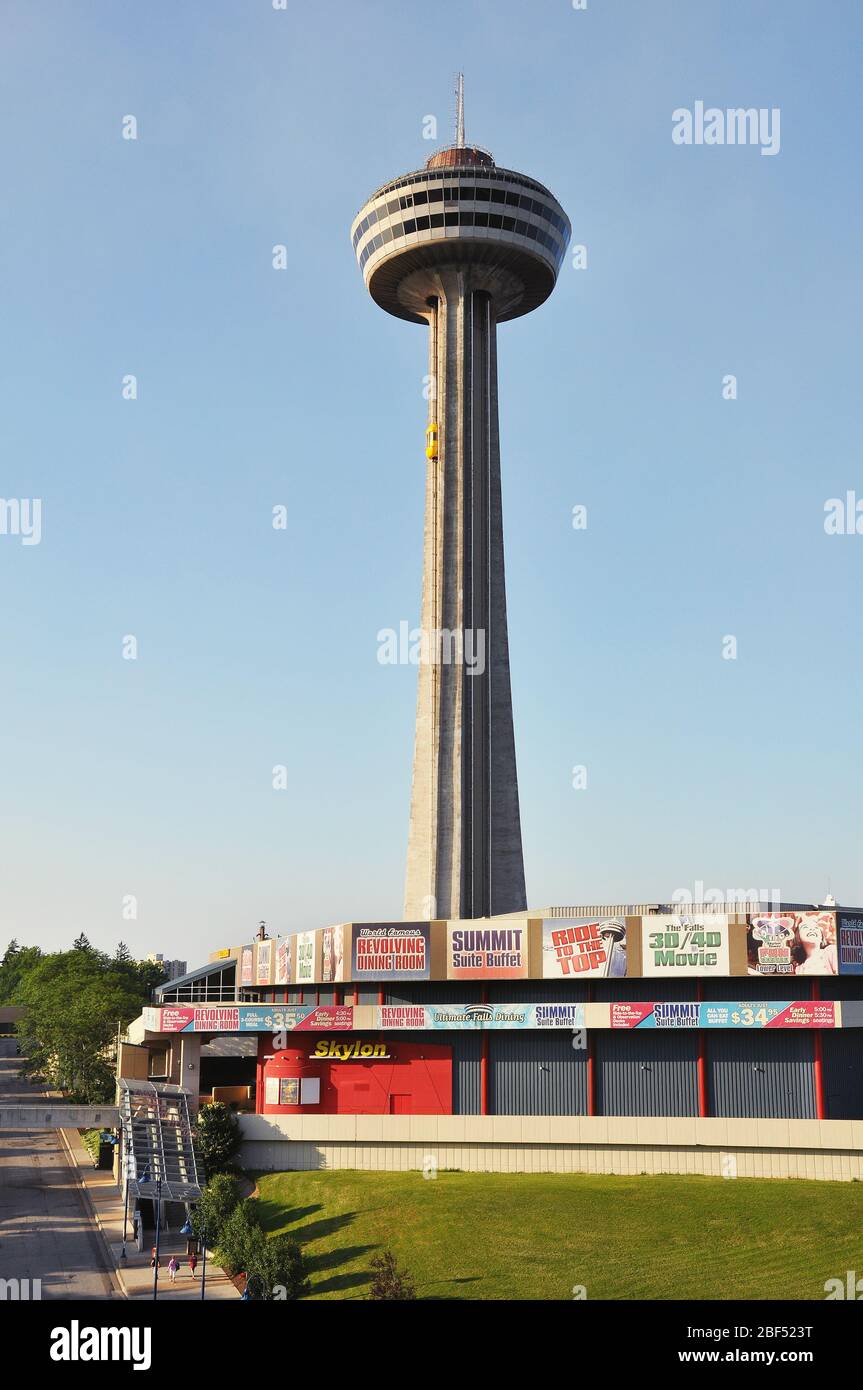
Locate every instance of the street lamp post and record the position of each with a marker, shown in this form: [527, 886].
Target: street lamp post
[158, 1236]
[125, 1160]
[203, 1261]
[187, 1230]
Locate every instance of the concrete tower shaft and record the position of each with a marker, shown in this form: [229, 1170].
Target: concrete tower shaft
[462, 246]
[464, 850]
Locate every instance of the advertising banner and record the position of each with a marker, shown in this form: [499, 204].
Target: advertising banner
[289, 1090]
[684, 945]
[792, 943]
[802, 1013]
[383, 951]
[249, 1018]
[305, 948]
[850, 930]
[456, 1016]
[769, 939]
[247, 965]
[487, 953]
[263, 962]
[284, 961]
[332, 955]
[583, 946]
[324, 1016]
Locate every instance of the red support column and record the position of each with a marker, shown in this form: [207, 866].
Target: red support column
[381, 996]
[703, 1101]
[818, 1061]
[591, 1070]
[259, 1075]
[483, 1061]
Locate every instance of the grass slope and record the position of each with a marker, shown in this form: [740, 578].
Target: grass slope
[536, 1236]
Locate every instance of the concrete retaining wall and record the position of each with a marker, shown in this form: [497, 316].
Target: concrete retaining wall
[826, 1150]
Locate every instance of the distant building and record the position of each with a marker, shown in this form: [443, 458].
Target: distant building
[172, 968]
[720, 1038]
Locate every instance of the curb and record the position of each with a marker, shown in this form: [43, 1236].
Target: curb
[113, 1269]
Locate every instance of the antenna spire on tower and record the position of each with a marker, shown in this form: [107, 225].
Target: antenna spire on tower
[459, 110]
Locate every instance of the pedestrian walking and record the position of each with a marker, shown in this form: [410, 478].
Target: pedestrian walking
[193, 1264]
[154, 1263]
[173, 1266]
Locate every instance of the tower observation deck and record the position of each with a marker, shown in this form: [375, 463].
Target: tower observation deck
[461, 246]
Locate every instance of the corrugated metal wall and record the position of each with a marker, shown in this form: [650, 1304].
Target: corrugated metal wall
[536, 1074]
[839, 986]
[646, 1073]
[433, 992]
[466, 1050]
[537, 992]
[843, 1074]
[766, 1075]
[643, 991]
[755, 987]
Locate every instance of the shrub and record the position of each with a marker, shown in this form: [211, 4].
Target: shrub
[390, 1282]
[90, 1140]
[239, 1238]
[219, 1199]
[280, 1269]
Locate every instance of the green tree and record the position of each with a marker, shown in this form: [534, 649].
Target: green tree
[218, 1138]
[74, 1001]
[17, 960]
[390, 1282]
[148, 974]
[122, 953]
[142, 975]
[219, 1199]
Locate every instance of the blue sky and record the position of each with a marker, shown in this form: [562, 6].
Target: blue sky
[153, 778]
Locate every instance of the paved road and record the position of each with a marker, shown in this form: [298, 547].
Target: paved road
[45, 1228]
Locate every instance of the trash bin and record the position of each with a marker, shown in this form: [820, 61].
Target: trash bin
[105, 1158]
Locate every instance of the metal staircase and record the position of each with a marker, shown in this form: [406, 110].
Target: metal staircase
[158, 1154]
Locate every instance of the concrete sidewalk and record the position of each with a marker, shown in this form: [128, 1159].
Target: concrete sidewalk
[135, 1277]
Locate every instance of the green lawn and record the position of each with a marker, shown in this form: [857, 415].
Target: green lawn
[491, 1235]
